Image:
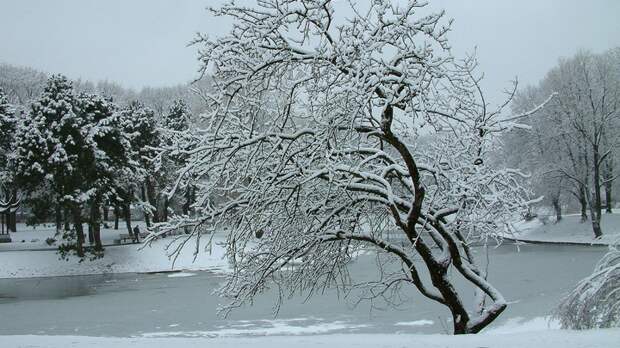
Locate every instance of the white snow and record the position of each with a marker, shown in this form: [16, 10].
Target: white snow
[129, 258]
[569, 229]
[277, 327]
[181, 275]
[606, 338]
[520, 325]
[415, 323]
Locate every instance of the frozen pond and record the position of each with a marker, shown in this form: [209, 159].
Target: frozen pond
[532, 280]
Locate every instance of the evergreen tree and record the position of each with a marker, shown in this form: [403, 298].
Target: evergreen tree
[140, 125]
[177, 118]
[175, 126]
[106, 163]
[72, 148]
[49, 147]
[7, 133]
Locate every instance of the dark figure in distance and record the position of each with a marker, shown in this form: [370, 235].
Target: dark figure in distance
[136, 234]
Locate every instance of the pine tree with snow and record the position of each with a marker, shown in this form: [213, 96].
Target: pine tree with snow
[106, 163]
[176, 133]
[7, 133]
[177, 118]
[140, 125]
[49, 147]
[73, 149]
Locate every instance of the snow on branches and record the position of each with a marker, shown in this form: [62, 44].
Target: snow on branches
[328, 135]
[595, 301]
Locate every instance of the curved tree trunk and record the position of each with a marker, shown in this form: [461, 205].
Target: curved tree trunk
[595, 218]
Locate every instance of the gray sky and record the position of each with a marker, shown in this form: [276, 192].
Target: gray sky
[143, 42]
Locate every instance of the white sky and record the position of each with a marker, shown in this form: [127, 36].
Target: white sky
[144, 42]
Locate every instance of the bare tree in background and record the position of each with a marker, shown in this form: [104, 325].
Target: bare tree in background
[311, 151]
[577, 132]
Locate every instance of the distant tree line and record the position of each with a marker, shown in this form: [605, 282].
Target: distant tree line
[572, 149]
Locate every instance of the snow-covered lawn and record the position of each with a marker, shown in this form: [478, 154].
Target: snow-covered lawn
[33, 237]
[15, 262]
[570, 229]
[607, 338]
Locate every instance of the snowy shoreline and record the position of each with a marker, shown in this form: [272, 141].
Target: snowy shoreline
[603, 338]
[34, 259]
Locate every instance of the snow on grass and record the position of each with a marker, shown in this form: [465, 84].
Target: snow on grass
[569, 229]
[519, 324]
[130, 258]
[606, 338]
[422, 322]
[181, 275]
[277, 327]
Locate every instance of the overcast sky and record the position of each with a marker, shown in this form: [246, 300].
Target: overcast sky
[144, 42]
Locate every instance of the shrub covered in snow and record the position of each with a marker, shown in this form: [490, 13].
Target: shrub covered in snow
[595, 302]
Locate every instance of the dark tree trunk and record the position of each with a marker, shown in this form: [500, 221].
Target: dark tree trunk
[596, 220]
[91, 234]
[11, 222]
[557, 207]
[127, 214]
[106, 212]
[166, 206]
[609, 176]
[598, 206]
[608, 200]
[151, 197]
[147, 212]
[12, 216]
[58, 216]
[583, 202]
[117, 212]
[187, 204]
[77, 222]
[95, 224]
[67, 219]
[188, 200]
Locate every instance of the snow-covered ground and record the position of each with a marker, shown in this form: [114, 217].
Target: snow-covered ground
[570, 229]
[16, 262]
[546, 338]
[34, 237]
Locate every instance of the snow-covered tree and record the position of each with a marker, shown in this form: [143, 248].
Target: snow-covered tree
[106, 162]
[140, 125]
[21, 84]
[595, 301]
[7, 133]
[325, 135]
[576, 133]
[43, 165]
[70, 148]
[176, 131]
[8, 122]
[541, 151]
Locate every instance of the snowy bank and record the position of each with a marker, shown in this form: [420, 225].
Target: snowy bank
[130, 258]
[548, 339]
[569, 230]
